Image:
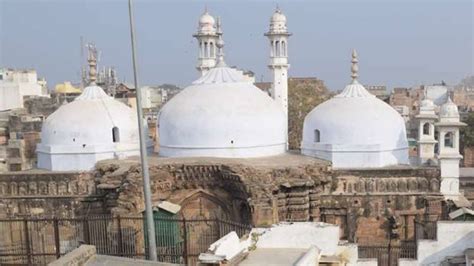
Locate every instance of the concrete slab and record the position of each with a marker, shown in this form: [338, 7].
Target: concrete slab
[273, 257]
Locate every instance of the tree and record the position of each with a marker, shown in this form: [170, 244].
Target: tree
[303, 95]
[467, 132]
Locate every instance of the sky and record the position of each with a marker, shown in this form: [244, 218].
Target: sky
[400, 43]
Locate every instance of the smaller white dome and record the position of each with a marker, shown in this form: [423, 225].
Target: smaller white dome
[93, 127]
[355, 129]
[278, 16]
[427, 108]
[207, 23]
[427, 103]
[449, 112]
[278, 22]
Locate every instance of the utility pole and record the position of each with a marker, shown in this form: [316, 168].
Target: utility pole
[143, 155]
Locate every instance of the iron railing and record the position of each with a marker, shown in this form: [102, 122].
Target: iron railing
[40, 241]
[388, 255]
[425, 230]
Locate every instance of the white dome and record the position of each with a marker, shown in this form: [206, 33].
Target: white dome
[278, 21]
[221, 115]
[80, 133]
[207, 23]
[278, 16]
[449, 112]
[427, 103]
[427, 108]
[355, 130]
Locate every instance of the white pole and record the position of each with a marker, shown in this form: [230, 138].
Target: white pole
[143, 158]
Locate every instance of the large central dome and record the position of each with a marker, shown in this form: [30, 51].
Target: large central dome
[221, 115]
[355, 130]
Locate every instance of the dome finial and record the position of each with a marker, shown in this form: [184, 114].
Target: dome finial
[205, 9]
[277, 9]
[92, 60]
[220, 45]
[355, 67]
[449, 99]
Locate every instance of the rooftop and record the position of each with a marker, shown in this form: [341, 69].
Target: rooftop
[279, 161]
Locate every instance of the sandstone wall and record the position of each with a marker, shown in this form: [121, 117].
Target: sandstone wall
[59, 194]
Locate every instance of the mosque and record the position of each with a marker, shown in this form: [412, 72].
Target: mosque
[222, 114]
[223, 149]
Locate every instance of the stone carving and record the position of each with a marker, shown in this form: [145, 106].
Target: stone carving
[3, 188]
[23, 188]
[33, 188]
[380, 184]
[423, 184]
[43, 188]
[392, 186]
[13, 188]
[52, 188]
[412, 184]
[402, 185]
[434, 185]
[370, 185]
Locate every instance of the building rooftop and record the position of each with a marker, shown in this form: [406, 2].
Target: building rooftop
[278, 161]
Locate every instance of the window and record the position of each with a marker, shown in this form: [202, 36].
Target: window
[426, 129]
[317, 136]
[211, 47]
[449, 140]
[115, 134]
[283, 48]
[277, 48]
[206, 50]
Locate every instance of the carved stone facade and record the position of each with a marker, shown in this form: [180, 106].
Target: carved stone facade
[257, 191]
[45, 194]
[360, 201]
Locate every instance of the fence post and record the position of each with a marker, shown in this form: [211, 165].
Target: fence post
[218, 223]
[185, 247]
[87, 237]
[56, 237]
[27, 241]
[120, 240]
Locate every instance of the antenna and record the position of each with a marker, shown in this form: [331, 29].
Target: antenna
[82, 70]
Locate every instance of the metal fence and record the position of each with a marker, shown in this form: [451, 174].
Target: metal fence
[388, 255]
[425, 230]
[40, 241]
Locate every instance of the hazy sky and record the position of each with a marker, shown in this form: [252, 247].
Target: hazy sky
[400, 43]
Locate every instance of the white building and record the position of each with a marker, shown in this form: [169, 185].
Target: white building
[300, 244]
[278, 36]
[437, 93]
[448, 155]
[221, 115]
[15, 84]
[426, 131]
[454, 242]
[91, 128]
[152, 97]
[355, 129]
[207, 37]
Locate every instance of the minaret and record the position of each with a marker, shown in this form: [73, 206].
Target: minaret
[448, 155]
[278, 37]
[426, 131]
[220, 45]
[92, 60]
[207, 37]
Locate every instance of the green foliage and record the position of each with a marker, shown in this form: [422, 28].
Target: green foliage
[303, 96]
[467, 132]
